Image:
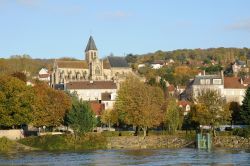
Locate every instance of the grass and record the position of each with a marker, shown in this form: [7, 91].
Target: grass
[66, 142]
[6, 144]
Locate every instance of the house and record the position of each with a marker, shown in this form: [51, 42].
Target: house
[92, 68]
[212, 82]
[108, 99]
[185, 106]
[238, 66]
[171, 90]
[230, 88]
[91, 90]
[234, 89]
[157, 64]
[44, 75]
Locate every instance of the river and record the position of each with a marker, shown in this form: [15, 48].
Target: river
[157, 157]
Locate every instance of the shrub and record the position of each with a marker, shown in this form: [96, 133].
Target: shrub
[5, 144]
[242, 132]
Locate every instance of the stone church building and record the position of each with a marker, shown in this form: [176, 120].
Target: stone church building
[92, 68]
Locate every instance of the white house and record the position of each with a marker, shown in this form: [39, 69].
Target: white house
[43, 75]
[93, 90]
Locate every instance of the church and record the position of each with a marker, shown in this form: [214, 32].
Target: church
[93, 79]
[92, 68]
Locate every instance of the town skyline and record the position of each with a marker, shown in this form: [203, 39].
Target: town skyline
[50, 30]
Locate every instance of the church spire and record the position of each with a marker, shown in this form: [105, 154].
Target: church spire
[91, 45]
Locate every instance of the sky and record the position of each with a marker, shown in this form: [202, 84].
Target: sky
[61, 28]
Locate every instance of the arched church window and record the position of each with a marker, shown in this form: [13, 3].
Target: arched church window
[97, 71]
[92, 55]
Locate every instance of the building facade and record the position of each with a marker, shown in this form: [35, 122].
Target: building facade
[92, 68]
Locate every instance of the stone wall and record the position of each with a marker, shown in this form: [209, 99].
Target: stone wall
[231, 142]
[136, 142]
[12, 134]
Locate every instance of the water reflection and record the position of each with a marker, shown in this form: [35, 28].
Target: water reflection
[130, 157]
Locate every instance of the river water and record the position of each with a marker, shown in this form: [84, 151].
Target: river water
[157, 157]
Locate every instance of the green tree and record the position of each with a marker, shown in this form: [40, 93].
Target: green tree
[172, 115]
[81, 118]
[16, 102]
[245, 108]
[139, 104]
[210, 109]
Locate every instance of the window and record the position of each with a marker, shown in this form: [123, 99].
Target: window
[216, 81]
[207, 81]
[202, 81]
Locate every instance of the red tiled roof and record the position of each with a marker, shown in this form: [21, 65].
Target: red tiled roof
[183, 103]
[93, 85]
[247, 81]
[233, 83]
[97, 107]
[171, 88]
[72, 64]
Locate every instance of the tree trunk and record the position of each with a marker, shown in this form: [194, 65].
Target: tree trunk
[144, 131]
[109, 125]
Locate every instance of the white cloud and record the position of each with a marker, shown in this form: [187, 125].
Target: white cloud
[243, 25]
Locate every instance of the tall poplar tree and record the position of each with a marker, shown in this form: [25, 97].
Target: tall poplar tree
[245, 108]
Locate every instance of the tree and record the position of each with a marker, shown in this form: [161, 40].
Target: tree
[50, 106]
[245, 108]
[16, 102]
[139, 104]
[172, 115]
[234, 107]
[81, 118]
[109, 117]
[210, 109]
[20, 75]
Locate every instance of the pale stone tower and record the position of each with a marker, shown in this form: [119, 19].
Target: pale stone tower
[95, 65]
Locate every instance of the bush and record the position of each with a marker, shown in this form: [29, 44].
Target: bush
[5, 144]
[242, 132]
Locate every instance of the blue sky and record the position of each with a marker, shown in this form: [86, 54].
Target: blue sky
[61, 28]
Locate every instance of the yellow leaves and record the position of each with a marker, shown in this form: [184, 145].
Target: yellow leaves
[139, 104]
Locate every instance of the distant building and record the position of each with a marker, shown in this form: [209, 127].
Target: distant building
[44, 75]
[92, 68]
[230, 88]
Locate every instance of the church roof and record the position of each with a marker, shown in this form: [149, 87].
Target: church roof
[73, 64]
[117, 61]
[91, 44]
[91, 85]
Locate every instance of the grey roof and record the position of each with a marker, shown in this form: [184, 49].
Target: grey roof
[241, 63]
[210, 77]
[117, 61]
[91, 44]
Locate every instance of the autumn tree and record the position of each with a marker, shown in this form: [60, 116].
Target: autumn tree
[50, 106]
[172, 115]
[16, 102]
[245, 108]
[109, 117]
[20, 75]
[210, 109]
[139, 104]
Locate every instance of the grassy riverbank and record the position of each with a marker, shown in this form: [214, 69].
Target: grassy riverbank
[66, 142]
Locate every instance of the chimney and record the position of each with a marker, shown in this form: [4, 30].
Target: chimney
[204, 72]
[91, 81]
[222, 74]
